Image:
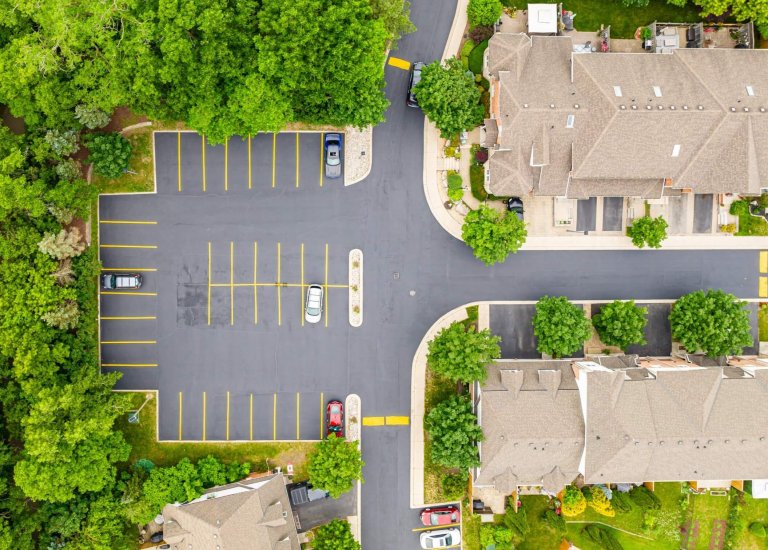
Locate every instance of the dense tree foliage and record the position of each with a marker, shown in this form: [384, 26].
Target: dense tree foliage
[561, 327]
[648, 231]
[453, 430]
[335, 535]
[335, 465]
[491, 235]
[459, 354]
[110, 154]
[621, 324]
[711, 321]
[483, 12]
[741, 10]
[574, 502]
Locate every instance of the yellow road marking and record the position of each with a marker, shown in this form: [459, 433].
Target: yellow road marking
[298, 409]
[231, 283]
[302, 284]
[203, 161]
[178, 159]
[209, 283]
[274, 416]
[152, 246]
[226, 163]
[325, 294]
[284, 285]
[279, 303]
[373, 421]
[227, 416]
[437, 527]
[297, 162]
[250, 416]
[204, 403]
[763, 288]
[128, 293]
[181, 406]
[129, 269]
[255, 285]
[322, 415]
[129, 364]
[322, 157]
[398, 420]
[399, 63]
[147, 318]
[116, 342]
[250, 178]
[274, 157]
[764, 261]
[127, 222]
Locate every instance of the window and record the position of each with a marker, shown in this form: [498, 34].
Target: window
[617, 91]
[569, 121]
[676, 150]
[657, 91]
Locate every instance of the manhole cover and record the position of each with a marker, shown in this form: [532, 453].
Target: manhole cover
[396, 275]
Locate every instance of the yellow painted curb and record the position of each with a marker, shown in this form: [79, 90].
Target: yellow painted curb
[373, 421]
[398, 420]
[764, 262]
[399, 63]
[763, 288]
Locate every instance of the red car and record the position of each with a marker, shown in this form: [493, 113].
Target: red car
[440, 516]
[334, 419]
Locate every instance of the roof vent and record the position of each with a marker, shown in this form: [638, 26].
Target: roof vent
[679, 441]
[750, 91]
[661, 107]
[661, 443]
[575, 105]
[733, 109]
[551, 105]
[672, 107]
[700, 107]
[685, 107]
[623, 107]
[617, 91]
[727, 440]
[746, 109]
[648, 107]
[762, 109]
[634, 107]
[676, 150]
[657, 91]
[525, 105]
[570, 121]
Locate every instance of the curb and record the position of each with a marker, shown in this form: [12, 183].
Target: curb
[367, 151]
[352, 399]
[136, 126]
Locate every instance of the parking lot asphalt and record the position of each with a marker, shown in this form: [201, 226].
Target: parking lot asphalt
[414, 273]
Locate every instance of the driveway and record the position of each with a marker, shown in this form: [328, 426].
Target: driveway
[514, 324]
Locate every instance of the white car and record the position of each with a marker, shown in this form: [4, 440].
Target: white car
[313, 310]
[440, 538]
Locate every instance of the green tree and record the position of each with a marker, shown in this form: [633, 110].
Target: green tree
[492, 235]
[462, 355]
[110, 154]
[91, 117]
[62, 245]
[395, 14]
[740, 10]
[449, 97]
[495, 536]
[561, 327]
[483, 12]
[574, 502]
[621, 324]
[711, 321]
[648, 231]
[335, 465]
[64, 317]
[335, 535]
[454, 433]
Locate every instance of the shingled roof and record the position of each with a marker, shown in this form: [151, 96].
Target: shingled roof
[695, 117]
[254, 514]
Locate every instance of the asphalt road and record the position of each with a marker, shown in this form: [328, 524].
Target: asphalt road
[287, 366]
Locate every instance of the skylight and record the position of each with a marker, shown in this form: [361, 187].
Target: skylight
[657, 91]
[750, 91]
[617, 91]
[676, 150]
[570, 121]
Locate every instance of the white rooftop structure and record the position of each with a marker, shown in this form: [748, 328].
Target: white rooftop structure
[542, 18]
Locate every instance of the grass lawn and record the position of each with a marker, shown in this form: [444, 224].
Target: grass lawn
[755, 510]
[762, 323]
[752, 225]
[541, 535]
[470, 528]
[624, 21]
[706, 509]
[262, 456]
[476, 57]
[438, 388]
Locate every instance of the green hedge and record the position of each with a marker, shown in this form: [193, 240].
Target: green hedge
[476, 57]
[476, 180]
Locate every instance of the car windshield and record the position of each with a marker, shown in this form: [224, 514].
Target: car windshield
[313, 310]
[335, 409]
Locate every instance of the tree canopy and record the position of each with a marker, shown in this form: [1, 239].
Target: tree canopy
[711, 321]
[459, 354]
[491, 235]
[335, 465]
[621, 324]
[483, 12]
[454, 433]
[449, 97]
[561, 327]
[335, 535]
[648, 231]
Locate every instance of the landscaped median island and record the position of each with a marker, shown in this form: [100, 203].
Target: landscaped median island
[356, 287]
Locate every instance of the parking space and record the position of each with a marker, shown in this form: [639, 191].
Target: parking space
[282, 161]
[514, 324]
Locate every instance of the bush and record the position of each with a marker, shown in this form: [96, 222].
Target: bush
[110, 154]
[453, 430]
[480, 33]
[739, 208]
[493, 235]
[481, 157]
[462, 355]
[560, 326]
[648, 231]
[574, 502]
[757, 529]
[644, 498]
[495, 535]
[554, 520]
[483, 12]
[477, 182]
[728, 228]
[621, 323]
[621, 502]
[454, 486]
[335, 535]
[476, 58]
[600, 503]
[466, 49]
[602, 536]
[517, 522]
[91, 117]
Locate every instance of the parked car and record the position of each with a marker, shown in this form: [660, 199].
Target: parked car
[332, 155]
[440, 516]
[120, 281]
[334, 419]
[313, 310]
[514, 204]
[415, 79]
[440, 538]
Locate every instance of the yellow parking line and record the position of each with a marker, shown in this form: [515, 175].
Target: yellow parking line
[115, 318]
[274, 416]
[152, 246]
[298, 409]
[297, 160]
[325, 294]
[128, 293]
[274, 157]
[178, 160]
[227, 416]
[226, 163]
[129, 222]
[116, 342]
[204, 403]
[203, 161]
[399, 63]
[763, 288]
[231, 283]
[129, 269]
[209, 283]
[129, 364]
[250, 178]
[398, 420]
[255, 286]
[279, 302]
[373, 421]
[322, 157]
[322, 416]
[181, 407]
[250, 417]
[302, 284]
[764, 261]
[416, 530]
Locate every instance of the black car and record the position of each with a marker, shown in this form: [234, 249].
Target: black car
[416, 68]
[514, 204]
